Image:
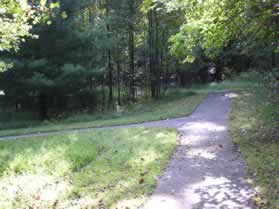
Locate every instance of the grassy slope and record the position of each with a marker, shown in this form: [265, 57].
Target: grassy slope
[175, 104]
[255, 130]
[116, 168]
[238, 84]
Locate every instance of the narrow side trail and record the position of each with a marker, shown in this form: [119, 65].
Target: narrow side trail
[206, 171]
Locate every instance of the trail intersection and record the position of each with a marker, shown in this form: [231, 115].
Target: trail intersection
[206, 171]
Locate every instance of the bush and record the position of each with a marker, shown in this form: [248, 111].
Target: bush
[271, 81]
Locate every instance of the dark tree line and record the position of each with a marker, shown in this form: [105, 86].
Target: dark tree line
[94, 54]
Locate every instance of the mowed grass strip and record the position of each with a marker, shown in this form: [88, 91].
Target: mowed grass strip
[100, 169]
[175, 104]
[254, 127]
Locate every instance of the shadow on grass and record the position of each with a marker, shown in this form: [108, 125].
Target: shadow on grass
[84, 170]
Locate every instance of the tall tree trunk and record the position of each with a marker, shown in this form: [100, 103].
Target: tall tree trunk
[178, 78]
[219, 71]
[103, 95]
[118, 82]
[109, 57]
[131, 52]
[166, 77]
[154, 63]
[157, 56]
[151, 56]
[110, 80]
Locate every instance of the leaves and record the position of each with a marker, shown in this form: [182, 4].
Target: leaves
[15, 22]
[214, 25]
[141, 181]
[64, 15]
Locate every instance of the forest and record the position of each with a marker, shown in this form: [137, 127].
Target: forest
[139, 104]
[93, 55]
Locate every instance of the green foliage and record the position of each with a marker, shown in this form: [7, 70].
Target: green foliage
[92, 50]
[17, 19]
[116, 168]
[214, 25]
[37, 64]
[69, 76]
[40, 81]
[271, 81]
[5, 66]
[254, 127]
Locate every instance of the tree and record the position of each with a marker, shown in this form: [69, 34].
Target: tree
[17, 19]
[89, 48]
[215, 25]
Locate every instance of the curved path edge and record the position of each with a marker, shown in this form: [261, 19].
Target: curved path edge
[155, 123]
[206, 170]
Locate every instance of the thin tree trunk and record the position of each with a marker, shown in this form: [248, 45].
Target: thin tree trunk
[151, 53]
[157, 56]
[109, 57]
[118, 82]
[103, 95]
[131, 53]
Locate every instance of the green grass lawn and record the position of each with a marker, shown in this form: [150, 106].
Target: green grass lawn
[254, 127]
[176, 103]
[100, 169]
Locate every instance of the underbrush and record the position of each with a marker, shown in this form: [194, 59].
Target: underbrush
[254, 125]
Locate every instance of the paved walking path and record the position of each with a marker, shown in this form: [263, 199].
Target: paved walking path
[206, 171]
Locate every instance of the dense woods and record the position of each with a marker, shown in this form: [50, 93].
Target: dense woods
[93, 55]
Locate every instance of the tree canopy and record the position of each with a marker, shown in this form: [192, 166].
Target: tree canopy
[215, 25]
[17, 19]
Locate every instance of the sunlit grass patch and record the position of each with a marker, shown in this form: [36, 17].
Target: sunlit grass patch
[115, 168]
[229, 85]
[257, 135]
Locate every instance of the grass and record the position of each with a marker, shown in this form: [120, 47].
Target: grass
[254, 127]
[230, 85]
[174, 104]
[100, 169]
[119, 168]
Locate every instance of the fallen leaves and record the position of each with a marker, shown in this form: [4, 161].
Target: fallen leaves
[141, 181]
